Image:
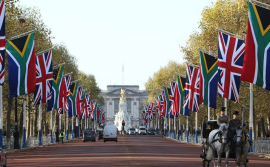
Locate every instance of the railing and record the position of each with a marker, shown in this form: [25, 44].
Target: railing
[30, 142]
[262, 145]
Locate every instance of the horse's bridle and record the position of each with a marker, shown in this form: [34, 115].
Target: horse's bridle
[241, 141]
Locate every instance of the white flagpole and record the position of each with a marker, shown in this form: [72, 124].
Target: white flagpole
[39, 126]
[169, 126]
[1, 116]
[60, 123]
[174, 126]
[251, 115]
[187, 130]
[66, 126]
[72, 127]
[196, 127]
[179, 130]
[24, 122]
[52, 126]
[225, 105]
[209, 111]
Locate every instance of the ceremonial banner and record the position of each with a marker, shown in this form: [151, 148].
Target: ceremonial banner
[256, 66]
[86, 106]
[158, 105]
[63, 94]
[230, 61]
[180, 97]
[21, 65]
[167, 94]
[57, 79]
[44, 76]
[79, 100]
[208, 79]
[192, 90]
[72, 109]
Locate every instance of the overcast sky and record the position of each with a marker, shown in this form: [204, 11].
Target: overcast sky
[144, 35]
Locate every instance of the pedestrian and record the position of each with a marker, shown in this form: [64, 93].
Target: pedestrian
[62, 137]
[162, 133]
[222, 118]
[268, 134]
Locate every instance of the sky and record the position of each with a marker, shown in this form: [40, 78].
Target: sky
[105, 35]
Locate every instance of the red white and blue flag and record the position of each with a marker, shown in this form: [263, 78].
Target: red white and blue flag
[230, 63]
[63, 94]
[44, 76]
[191, 101]
[2, 42]
[79, 100]
[86, 108]
[158, 105]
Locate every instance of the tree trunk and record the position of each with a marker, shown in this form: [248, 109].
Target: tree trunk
[36, 122]
[268, 122]
[259, 128]
[263, 127]
[10, 101]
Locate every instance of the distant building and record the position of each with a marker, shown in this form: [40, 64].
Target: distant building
[135, 99]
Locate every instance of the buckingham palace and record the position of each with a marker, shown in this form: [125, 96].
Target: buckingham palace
[135, 99]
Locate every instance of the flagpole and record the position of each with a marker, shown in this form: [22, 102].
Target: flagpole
[169, 126]
[251, 116]
[229, 33]
[165, 128]
[179, 129]
[77, 128]
[39, 126]
[225, 105]
[44, 51]
[66, 126]
[196, 127]
[20, 35]
[187, 130]
[208, 113]
[51, 126]
[174, 126]
[24, 122]
[72, 127]
[60, 123]
[1, 116]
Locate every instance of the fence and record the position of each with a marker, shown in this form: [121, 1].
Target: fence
[30, 142]
[262, 145]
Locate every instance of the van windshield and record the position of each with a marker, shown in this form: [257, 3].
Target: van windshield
[142, 128]
[132, 129]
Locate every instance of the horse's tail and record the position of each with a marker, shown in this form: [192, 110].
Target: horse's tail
[209, 154]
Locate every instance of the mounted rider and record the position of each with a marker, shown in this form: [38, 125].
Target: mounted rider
[222, 118]
[233, 124]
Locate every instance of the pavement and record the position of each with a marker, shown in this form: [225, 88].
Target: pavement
[128, 151]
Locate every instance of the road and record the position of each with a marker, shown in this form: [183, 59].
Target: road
[128, 151]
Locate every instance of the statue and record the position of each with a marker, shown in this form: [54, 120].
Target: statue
[122, 93]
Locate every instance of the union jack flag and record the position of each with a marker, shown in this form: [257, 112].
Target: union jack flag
[86, 108]
[191, 101]
[163, 102]
[63, 93]
[2, 42]
[150, 110]
[230, 63]
[158, 105]
[79, 100]
[44, 76]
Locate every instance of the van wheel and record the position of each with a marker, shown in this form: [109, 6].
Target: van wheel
[104, 141]
[116, 140]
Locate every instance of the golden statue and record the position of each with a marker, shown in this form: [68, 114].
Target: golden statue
[122, 93]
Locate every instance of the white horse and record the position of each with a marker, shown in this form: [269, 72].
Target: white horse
[242, 146]
[218, 143]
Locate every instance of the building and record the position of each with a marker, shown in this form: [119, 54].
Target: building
[135, 99]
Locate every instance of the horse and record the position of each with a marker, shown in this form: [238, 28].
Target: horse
[218, 143]
[241, 146]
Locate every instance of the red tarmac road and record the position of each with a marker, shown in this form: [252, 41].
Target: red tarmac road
[128, 151]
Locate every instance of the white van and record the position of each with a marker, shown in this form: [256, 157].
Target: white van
[142, 130]
[110, 133]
